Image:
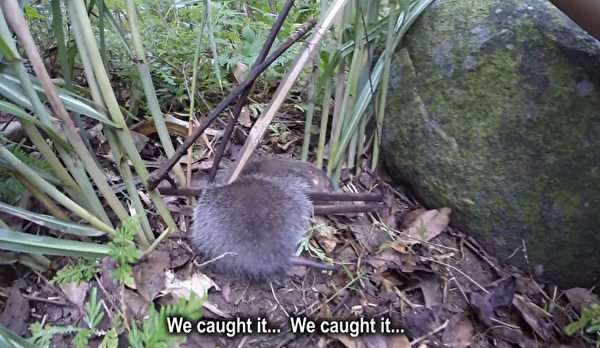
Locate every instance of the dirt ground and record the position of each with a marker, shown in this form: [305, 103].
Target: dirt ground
[437, 286]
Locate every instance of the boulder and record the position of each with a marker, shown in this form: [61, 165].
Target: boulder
[494, 110]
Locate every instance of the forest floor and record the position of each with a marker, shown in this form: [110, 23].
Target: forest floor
[437, 286]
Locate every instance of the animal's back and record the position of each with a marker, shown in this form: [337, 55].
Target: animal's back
[261, 219]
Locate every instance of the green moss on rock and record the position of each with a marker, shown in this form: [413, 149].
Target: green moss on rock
[495, 111]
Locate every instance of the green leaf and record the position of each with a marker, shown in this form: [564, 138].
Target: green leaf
[21, 114]
[10, 339]
[25, 242]
[51, 222]
[10, 88]
[111, 339]
[31, 14]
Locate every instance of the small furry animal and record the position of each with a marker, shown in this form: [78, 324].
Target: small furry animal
[316, 179]
[260, 219]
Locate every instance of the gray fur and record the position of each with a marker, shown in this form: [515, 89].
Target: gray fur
[259, 217]
[315, 178]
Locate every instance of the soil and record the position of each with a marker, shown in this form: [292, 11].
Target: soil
[445, 292]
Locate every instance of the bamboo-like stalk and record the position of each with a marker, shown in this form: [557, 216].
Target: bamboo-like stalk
[382, 96]
[15, 18]
[324, 122]
[357, 65]
[142, 64]
[288, 81]
[74, 188]
[145, 234]
[192, 96]
[42, 198]
[77, 12]
[404, 22]
[242, 99]
[160, 173]
[57, 26]
[47, 188]
[310, 111]
[212, 43]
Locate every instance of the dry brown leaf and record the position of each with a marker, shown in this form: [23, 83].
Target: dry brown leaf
[409, 218]
[75, 292]
[136, 305]
[16, 311]
[534, 316]
[459, 332]
[240, 71]
[149, 275]
[429, 224]
[581, 298]
[399, 247]
[398, 341]
[200, 283]
[244, 118]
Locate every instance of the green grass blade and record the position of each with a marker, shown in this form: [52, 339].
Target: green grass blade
[25, 242]
[71, 101]
[21, 114]
[51, 222]
[10, 339]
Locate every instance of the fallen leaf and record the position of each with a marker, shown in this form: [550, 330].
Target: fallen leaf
[75, 292]
[534, 316]
[397, 341]
[244, 118]
[137, 306]
[240, 71]
[16, 311]
[581, 298]
[409, 218]
[149, 274]
[459, 332]
[109, 284]
[200, 283]
[501, 294]
[174, 126]
[429, 224]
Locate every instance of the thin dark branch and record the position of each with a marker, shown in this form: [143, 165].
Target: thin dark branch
[242, 101]
[315, 196]
[159, 174]
[346, 209]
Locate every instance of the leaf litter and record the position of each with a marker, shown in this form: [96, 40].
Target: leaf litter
[405, 263]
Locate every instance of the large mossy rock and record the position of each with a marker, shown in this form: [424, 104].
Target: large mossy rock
[494, 110]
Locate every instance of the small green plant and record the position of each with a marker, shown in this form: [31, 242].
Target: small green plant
[41, 336]
[590, 320]
[421, 230]
[83, 270]
[151, 332]
[123, 250]
[11, 188]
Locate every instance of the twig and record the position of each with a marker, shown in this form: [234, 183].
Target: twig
[346, 209]
[217, 258]
[154, 244]
[315, 196]
[310, 47]
[157, 176]
[242, 100]
[277, 300]
[430, 333]
[39, 299]
[458, 270]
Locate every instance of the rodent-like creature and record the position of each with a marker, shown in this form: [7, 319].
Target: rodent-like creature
[261, 218]
[316, 179]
